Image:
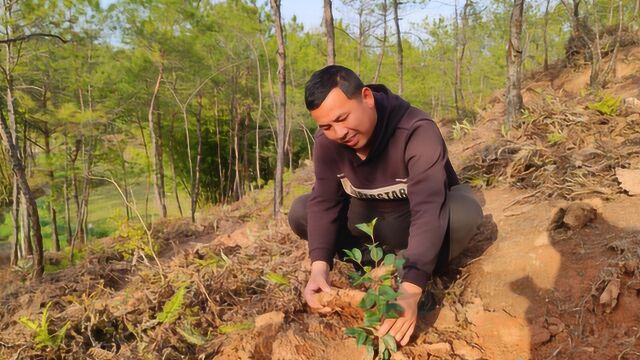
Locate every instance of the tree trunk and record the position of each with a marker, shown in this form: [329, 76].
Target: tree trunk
[461, 45]
[65, 190]
[15, 217]
[257, 135]
[396, 20]
[383, 46]
[328, 25]
[514, 65]
[545, 36]
[281, 126]
[156, 149]
[219, 155]
[32, 209]
[195, 186]
[52, 210]
[172, 163]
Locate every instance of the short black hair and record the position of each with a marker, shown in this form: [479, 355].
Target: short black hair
[326, 79]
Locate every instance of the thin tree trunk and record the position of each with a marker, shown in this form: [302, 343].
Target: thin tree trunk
[32, 209]
[281, 126]
[328, 25]
[149, 171]
[156, 150]
[614, 55]
[195, 187]
[15, 217]
[514, 65]
[383, 46]
[67, 210]
[396, 20]
[259, 73]
[545, 36]
[26, 230]
[219, 154]
[52, 209]
[172, 163]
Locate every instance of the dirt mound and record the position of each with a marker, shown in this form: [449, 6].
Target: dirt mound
[568, 145]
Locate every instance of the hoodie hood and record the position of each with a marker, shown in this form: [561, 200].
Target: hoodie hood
[390, 108]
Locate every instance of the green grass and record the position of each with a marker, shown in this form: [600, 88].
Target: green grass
[106, 209]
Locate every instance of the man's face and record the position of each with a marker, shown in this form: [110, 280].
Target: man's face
[347, 121]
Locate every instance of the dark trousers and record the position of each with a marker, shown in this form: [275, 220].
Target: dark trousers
[394, 220]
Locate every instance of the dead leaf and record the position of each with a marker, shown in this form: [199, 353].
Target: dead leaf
[609, 297]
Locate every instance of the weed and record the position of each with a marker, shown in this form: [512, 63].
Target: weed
[460, 129]
[378, 301]
[608, 105]
[173, 307]
[554, 138]
[41, 336]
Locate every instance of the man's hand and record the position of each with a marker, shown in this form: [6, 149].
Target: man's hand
[318, 282]
[402, 327]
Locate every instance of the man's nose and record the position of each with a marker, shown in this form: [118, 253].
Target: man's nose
[341, 131]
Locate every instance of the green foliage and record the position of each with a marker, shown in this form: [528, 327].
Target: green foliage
[192, 335]
[133, 238]
[378, 302]
[41, 336]
[277, 279]
[460, 129]
[234, 327]
[554, 138]
[608, 105]
[173, 307]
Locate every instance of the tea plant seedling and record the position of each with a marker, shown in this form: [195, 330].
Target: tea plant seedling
[378, 301]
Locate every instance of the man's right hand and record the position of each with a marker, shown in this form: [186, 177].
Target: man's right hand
[318, 282]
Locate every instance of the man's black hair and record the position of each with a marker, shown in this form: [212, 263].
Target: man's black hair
[326, 79]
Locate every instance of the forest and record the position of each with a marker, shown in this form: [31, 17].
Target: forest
[120, 115]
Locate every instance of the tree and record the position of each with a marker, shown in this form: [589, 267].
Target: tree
[514, 65]
[396, 21]
[328, 25]
[282, 106]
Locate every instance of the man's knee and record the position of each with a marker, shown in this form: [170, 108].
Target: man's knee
[298, 216]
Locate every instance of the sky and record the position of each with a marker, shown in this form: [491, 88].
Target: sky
[309, 12]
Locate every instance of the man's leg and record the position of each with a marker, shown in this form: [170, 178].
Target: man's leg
[298, 223]
[465, 215]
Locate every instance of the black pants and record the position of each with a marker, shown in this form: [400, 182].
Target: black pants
[394, 221]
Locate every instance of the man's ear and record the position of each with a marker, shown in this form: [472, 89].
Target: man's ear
[367, 97]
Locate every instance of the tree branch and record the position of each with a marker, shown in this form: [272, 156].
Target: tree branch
[29, 36]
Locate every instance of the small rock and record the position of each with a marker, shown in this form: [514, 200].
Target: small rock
[539, 335]
[446, 320]
[629, 180]
[239, 237]
[631, 105]
[466, 351]
[269, 322]
[630, 266]
[609, 297]
[578, 215]
[554, 325]
[439, 349]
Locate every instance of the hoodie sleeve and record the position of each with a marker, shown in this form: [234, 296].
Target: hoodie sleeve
[325, 203]
[425, 156]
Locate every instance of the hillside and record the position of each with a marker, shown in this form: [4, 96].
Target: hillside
[553, 273]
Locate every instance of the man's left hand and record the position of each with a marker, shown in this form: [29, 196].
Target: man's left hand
[402, 327]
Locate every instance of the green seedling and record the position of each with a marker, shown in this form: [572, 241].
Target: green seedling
[41, 336]
[378, 302]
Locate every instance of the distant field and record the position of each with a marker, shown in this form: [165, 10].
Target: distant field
[106, 209]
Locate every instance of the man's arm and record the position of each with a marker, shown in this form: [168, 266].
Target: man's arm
[323, 209]
[426, 156]
[326, 201]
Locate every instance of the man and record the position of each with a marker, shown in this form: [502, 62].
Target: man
[375, 156]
